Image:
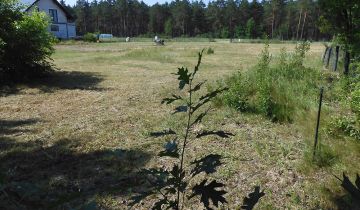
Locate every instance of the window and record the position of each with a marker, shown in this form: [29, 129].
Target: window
[53, 15]
[54, 28]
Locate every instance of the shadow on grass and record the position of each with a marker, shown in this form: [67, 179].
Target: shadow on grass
[62, 176]
[8, 127]
[68, 80]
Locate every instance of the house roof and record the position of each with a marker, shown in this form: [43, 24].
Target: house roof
[30, 3]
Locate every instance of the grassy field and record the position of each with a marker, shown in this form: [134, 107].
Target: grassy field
[83, 135]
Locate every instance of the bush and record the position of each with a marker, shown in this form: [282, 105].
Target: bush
[324, 157]
[355, 102]
[89, 37]
[25, 44]
[277, 92]
[348, 125]
[347, 91]
[210, 51]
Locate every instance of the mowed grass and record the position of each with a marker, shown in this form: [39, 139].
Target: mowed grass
[83, 135]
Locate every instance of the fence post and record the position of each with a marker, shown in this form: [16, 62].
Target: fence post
[346, 62]
[328, 57]
[336, 57]
[323, 58]
[318, 122]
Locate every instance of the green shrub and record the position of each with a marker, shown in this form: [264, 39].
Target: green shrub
[345, 125]
[89, 37]
[354, 83]
[355, 102]
[277, 91]
[25, 43]
[346, 91]
[210, 51]
[224, 33]
[325, 156]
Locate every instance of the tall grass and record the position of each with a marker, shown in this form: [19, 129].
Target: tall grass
[281, 91]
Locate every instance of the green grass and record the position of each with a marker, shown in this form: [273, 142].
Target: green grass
[83, 135]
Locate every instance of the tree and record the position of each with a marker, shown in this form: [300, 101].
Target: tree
[168, 27]
[285, 19]
[257, 12]
[231, 11]
[274, 12]
[25, 43]
[83, 16]
[224, 33]
[181, 13]
[342, 19]
[215, 15]
[244, 12]
[158, 14]
[199, 22]
[239, 31]
[250, 27]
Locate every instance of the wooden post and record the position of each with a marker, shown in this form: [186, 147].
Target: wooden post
[318, 121]
[346, 62]
[336, 57]
[328, 57]
[323, 58]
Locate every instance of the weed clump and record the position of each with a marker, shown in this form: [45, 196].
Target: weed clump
[324, 157]
[279, 91]
[90, 37]
[210, 51]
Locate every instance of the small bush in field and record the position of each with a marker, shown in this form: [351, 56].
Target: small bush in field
[210, 51]
[277, 92]
[324, 157]
[89, 37]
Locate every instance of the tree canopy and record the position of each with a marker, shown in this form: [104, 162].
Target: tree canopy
[281, 19]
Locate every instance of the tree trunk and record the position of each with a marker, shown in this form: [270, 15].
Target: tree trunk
[298, 26]
[346, 62]
[124, 27]
[273, 24]
[302, 29]
[183, 26]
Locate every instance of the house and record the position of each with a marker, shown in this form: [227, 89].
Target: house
[62, 23]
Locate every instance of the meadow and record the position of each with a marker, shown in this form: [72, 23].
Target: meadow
[83, 135]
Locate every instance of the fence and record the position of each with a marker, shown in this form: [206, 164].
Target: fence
[334, 56]
[331, 57]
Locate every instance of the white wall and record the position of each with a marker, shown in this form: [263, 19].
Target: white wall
[66, 30]
[62, 33]
[72, 30]
[45, 5]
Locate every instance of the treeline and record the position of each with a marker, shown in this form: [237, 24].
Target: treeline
[277, 19]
